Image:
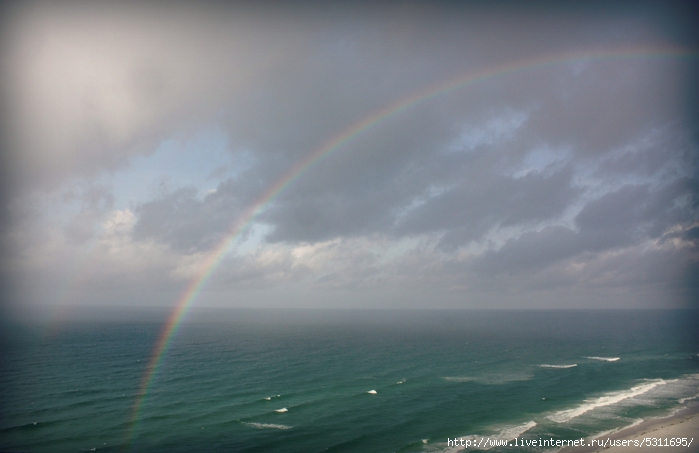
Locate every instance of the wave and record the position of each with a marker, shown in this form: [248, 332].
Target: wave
[609, 432]
[269, 398]
[605, 400]
[267, 425]
[29, 425]
[283, 409]
[558, 366]
[504, 434]
[688, 398]
[510, 433]
[491, 379]
[372, 392]
[683, 389]
[604, 359]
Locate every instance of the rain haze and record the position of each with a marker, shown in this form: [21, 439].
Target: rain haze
[348, 155]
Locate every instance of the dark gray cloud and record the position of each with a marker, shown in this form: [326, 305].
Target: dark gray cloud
[631, 215]
[95, 202]
[488, 201]
[190, 221]
[635, 212]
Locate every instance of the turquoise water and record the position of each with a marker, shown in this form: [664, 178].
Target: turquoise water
[437, 375]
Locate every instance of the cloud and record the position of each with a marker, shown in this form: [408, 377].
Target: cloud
[95, 202]
[634, 213]
[490, 201]
[105, 82]
[630, 216]
[565, 163]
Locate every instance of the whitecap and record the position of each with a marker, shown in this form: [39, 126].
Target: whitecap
[267, 425]
[604, 359]
[372, 392]
[283, 409]
[605, 400]
[558, 366]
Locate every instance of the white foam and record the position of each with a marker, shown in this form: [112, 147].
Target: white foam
[460, 378]
[604, 359]
[636, 422]
[558, 366]
[372, 392]
[511, 432]
[605, 400]
[267, 425]
[505, 434]
[401, 381]
[283, 409]
[681, 400]
[268, 398]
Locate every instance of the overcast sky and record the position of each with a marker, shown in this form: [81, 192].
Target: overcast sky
[541, 157]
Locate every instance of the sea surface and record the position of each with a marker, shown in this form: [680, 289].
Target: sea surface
[343, 381]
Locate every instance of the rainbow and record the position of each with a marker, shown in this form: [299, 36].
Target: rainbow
[372, 120]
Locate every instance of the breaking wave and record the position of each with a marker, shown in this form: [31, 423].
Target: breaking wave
[266, 425]
[605, 400]
[495, 440]
[604, 359]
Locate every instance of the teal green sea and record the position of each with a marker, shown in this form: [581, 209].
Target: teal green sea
[312, 381]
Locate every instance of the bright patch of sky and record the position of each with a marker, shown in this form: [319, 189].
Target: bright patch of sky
[251, 239]
[495, 130]
[203, 162]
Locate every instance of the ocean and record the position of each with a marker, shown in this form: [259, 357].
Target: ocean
[343, 381]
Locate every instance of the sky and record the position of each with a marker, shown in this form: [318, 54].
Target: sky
[348, 155]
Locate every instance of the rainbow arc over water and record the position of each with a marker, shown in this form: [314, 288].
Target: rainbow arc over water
[374, 119]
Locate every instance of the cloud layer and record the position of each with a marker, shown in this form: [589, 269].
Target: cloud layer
[138, 135]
